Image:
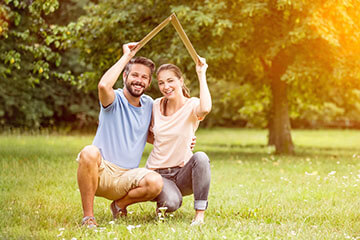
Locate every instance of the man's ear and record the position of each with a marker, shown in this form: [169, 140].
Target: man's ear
[124, 76]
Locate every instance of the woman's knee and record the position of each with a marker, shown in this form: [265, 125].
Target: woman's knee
[201, 159]
[171, 203]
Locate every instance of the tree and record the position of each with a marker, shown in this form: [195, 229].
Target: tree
[298, 48]
[36, 88]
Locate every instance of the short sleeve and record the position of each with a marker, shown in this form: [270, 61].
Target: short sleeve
[195, 103]
[113, 104]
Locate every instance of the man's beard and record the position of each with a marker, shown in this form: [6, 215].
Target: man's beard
[131, 91]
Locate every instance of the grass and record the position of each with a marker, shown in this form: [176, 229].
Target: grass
[254, 194]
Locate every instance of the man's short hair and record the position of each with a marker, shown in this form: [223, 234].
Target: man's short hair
[140, 60]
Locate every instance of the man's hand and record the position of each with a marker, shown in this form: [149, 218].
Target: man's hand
[192, 144]
[130, 49]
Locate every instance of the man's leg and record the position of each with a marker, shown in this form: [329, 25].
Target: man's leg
[87, 176]
[149, 187]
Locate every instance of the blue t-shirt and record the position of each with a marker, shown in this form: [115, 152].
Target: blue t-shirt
[123, 129]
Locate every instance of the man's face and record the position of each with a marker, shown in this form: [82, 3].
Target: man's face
[138, 79]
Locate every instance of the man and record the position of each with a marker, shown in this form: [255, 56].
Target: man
[109, 167]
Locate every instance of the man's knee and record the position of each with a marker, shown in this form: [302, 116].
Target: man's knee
[89, 156]
[154, 182]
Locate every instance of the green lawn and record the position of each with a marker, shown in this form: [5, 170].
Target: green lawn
[254, 194]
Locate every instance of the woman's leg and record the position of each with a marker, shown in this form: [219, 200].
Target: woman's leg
[170, 196]
[194, 177]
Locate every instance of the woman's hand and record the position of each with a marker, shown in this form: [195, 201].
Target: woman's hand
[201, 66]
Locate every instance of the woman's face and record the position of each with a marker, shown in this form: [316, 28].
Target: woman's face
[169, 84]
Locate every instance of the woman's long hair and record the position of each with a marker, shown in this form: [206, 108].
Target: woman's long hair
[177, 73]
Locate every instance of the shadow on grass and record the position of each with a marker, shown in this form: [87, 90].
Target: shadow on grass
[221, 151]
[255, 152]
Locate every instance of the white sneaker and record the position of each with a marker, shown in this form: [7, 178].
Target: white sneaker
[197, 222]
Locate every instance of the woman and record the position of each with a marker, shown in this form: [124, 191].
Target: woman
[176, 117]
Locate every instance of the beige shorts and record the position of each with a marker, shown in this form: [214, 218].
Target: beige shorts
[115, 182]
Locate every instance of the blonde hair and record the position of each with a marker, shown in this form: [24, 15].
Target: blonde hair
[177, 73]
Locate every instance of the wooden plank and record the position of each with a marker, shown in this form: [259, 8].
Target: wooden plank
[155, 31]
[184, 38]
[179, 29]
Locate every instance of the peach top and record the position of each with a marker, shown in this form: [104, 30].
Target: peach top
[173, 134]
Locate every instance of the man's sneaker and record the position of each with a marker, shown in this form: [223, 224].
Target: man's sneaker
[116, 211]
[89, 222]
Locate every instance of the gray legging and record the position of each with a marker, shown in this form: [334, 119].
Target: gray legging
[194, 177]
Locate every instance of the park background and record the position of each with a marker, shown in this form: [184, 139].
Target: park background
[285, 82]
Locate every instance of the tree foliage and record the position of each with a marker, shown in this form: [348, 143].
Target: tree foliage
[36, 88]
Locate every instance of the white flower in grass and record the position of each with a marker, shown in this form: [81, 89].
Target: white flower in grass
[130, 212]
[338, 162]
[112, 222]
[102, 228]
[61, 229]
[130, 227]
[311, 174]
[345, 177]
[74, 238]
[332, 173]
[224, 237]
[60, 234]
[293, 233]
[172, 229]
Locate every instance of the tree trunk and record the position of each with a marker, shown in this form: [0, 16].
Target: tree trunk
[271, 134]
[279, 121]
[280, 127]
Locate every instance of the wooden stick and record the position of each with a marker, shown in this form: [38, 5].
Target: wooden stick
[155, 31]
[179, 29]
[184, 38]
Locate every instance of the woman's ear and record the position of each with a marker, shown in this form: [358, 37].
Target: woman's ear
[182, 81]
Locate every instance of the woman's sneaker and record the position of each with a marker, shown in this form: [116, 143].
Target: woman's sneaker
[197, 222]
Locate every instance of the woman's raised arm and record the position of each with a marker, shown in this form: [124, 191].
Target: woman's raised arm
[205, 98]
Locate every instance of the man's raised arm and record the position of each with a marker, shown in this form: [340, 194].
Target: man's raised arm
[108, 80]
